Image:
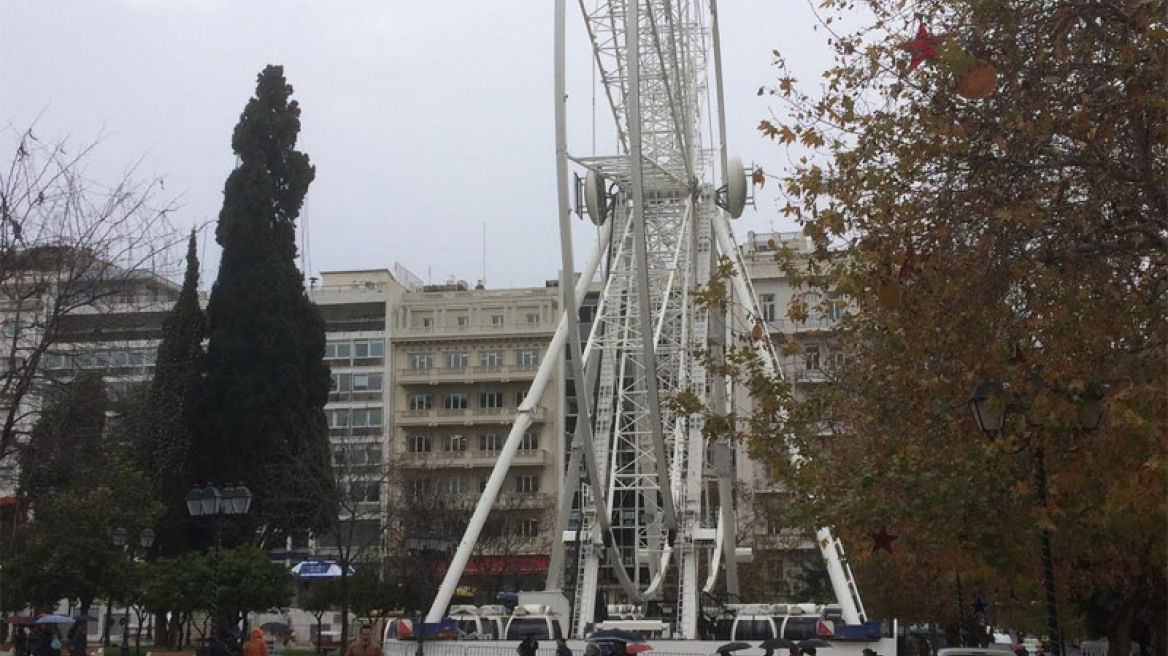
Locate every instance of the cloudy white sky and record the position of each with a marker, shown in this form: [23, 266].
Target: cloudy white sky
[427, 120]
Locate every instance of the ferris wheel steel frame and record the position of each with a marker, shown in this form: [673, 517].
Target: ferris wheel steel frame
[628, 458]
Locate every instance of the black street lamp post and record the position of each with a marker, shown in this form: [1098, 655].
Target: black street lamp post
[427, 546]
[990, 404]
[211, 501]
[146, 539]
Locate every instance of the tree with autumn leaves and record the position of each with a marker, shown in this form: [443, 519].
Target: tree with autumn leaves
[984, 182]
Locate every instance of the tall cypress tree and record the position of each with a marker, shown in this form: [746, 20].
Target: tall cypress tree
[177, 372]
[262, 404]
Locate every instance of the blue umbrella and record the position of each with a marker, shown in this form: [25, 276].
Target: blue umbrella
[54, 619]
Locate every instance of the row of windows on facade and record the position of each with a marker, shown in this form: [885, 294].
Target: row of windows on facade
[833, 312]
[457, 484]
[457, 443]
[340, 383]
[463, 321]
[353, 417]
[461, 400]
[354, 348]
[102, 359]
[461, 359]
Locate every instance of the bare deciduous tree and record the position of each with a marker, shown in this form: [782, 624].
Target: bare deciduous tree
[68, 244]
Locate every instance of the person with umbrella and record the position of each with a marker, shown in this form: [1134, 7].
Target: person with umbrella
[78, 638]
[527, 646]
[20, 642]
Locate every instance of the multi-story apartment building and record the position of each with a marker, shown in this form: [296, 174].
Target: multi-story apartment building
[463, 361]
[357, 307]
[113, 328]
[788, 560]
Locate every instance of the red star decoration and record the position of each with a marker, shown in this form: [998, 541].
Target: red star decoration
[882, 540]
[923, 47]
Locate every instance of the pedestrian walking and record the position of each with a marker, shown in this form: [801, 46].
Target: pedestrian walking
[562, 648]
[528, 646]
[364, 645]
[78, 638]
[20, 642]
[257, 646]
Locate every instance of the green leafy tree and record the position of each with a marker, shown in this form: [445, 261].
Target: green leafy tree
[251, 582]
[182, 586]
[1011, 232]
[177, 373]
[80, 488]
[261, 406]
[318, 598]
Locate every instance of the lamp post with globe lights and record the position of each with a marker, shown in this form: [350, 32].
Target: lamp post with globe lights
[991, 405]
[212, 501]
[121, 540]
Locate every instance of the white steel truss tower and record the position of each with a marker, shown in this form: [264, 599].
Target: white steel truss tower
[640, 503]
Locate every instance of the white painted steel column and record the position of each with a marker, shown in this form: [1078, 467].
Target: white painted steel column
[523, 420]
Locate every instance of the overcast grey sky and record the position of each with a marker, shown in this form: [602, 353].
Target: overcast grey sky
[426, 120]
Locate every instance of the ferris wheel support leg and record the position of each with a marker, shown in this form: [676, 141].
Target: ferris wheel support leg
[550, 361]
[645, 318]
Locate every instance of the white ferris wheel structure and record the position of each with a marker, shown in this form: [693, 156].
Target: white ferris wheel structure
[646, 500]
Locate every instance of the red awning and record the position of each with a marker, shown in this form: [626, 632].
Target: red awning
[524, 564]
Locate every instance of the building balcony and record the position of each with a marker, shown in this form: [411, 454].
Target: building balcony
[811, 324]
[376, 396]
[465, 416]
[476, 331]
[501, 373]
[467, 459]
[335, 363]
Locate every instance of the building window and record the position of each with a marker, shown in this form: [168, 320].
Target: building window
[526, 357]
[532, 318]
[454, 401]
[365, 491]
[491, 359]
[337, 418]
[835, 306]
[456, 360]
[455, 443]
[340, 383]
[454, 485]
[420, 401]
[490, 399]
[527, 484]
[367, 382]
[530, 442]
[421, 361]
[496, 320]
[366, 417]
[427, 322]
[418, 443]
[520, 397]
[490, 442]
[527, 528]
[420, 488]
[811, 360]
[368, 348]
[338, 350]
[463, 322]
[766, 304]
